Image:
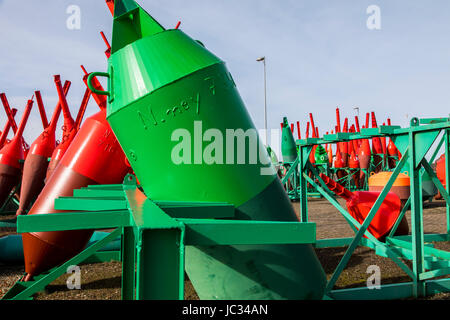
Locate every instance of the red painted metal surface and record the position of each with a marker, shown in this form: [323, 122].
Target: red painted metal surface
[392, 151]
[338, 120]
[110, 4]
[8, 111]
[94, 157]
[6, 129]
[82, 110]
[367, 120]
[440, 169]
[41, 109]
[99, 99]
[377, 148]
[36, 163]
[108, 46]
[69, 130]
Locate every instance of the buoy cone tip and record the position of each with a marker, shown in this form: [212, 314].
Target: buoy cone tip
[131, 23]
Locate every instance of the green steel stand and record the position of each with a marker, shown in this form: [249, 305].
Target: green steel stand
[154, 236]
[428, 262]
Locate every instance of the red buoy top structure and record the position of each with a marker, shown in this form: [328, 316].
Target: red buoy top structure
[13, 124]
[69, 130]
[12, 153]
[36, 163]
[6, 129]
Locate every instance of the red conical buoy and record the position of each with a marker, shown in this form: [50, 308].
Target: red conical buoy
[36, 163]
[391, 151]
[11, 156]
[364, 156]
[94, 157]
[377, 148]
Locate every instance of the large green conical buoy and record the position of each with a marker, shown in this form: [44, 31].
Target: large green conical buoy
[171, 105]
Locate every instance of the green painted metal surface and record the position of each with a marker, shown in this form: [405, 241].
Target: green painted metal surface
[210, 232]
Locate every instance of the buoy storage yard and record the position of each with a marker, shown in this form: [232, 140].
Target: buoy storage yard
[156, 180]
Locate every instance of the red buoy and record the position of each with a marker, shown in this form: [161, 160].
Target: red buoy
[391, 151]
[364, 156]
[36, 163]
[94, 157]
[11, 156]
[377, 148]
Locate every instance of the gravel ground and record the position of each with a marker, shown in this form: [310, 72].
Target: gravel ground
[102, 281]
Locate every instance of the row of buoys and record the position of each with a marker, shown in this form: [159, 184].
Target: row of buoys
[87, 154]
[352, 155]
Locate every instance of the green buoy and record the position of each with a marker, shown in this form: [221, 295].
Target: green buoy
[178, 116]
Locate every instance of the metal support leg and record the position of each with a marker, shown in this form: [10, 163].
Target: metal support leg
[416, 217]
[128, 264]
[160, 268]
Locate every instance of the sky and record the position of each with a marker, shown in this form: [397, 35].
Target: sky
[320, 54]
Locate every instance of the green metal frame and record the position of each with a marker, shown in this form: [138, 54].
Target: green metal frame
[10, 201]
[154, 236]
[428, 263]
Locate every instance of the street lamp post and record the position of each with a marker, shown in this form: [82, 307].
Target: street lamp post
[263, 59]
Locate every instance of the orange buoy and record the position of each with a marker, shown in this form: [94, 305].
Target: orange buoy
[401, 186]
